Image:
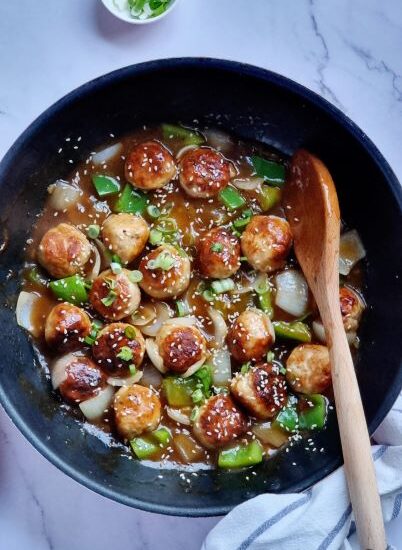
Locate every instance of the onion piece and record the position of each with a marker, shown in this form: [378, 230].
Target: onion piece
[220, 327]
[63, 195]
[96, 264]
[219, 140]
[184, 150]
[188, 321]
[291, 292]
[154, 356]
[319, 331]
[196, 366]
[23, 310]
[58, 370]
[162, 314]
[106, 154]
[248, 184]
[351, 250]
[144, 315]
[188, 448]
[269, 435]
[95, 407]
[178, 416]
[221, 367]
[128, 381]
[151, 377]
[105, 255]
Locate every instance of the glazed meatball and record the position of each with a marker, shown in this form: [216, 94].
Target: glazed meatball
[180, 346]
[352, 307]
[204, 172]
[63, 250]
[308, 369]
[165, 272]
[261, 390]
[250, 336]
[125, 235]
[150, 166]
[137, 410]
[66, 327]
[266, 242]
[117, 346]
[77, 378]
[219, 421]
[218, 254]
[114, 296]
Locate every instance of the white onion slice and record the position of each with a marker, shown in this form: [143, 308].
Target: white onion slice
[319, 331]
[128, 381]
[96, 264]
[196, 366]
[220, 327]
[106, 154]
[105, 255]
[184, 150]
[153, 354]
[269, 435]
[219, 140]
[95, 407]
[63, 195]
[188, 321]
[151, 377]
[162, 315]
[248, 184]
[144, 315]
[221, 367]
[25, 304]
[351, 250]
[178, 416]
[58, 371]
[291, 292]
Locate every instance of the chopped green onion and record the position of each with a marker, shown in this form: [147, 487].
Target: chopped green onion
[241, 456]
[270, 356]
[93, 231]
[245, 368]
[189, 137]
[109, 299]
[194, 413]
[125, 354]
[204, 377]
[182, 308]
[110, 283]
[153, 211]
[97, 325]
[130, 332]
[282, 370]
[222, 285]
[105, 185]
[131, 201]
[268, 197]
[135, 276]
[116, 268]
[166, 225]
[244, 220]
[231, 198]
[70, 289]
[197, 396]
[272, 172]
[162, 435]
[155, 237]
[313, 413]
[89, 340]
[132, 369]
[217, 247]
[208, 295]
[295, 330]
[116, 259]
[164, 261]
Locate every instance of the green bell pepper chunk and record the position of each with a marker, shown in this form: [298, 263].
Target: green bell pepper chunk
[295, 330]
[268, 197]
[35, 276]
[178, 390]
[240, 456]
[71, 289]
[314, 416]
[287, 419]
[143, 447]
[162, 435]
[189, 137]
[231, 198]
[105, 185]
[272, 172]
[131, 201]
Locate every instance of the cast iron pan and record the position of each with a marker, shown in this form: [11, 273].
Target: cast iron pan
[254, 104]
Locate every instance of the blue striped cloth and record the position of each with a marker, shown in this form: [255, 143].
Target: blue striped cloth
[320, 518]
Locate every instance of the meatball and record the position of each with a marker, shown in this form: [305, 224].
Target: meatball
[219, 421]
[352, 307]
[250, 336]
[266, 242]
[165, 272]
[66, 327]
[204, 172]
[180, 346]
[125, 235]
[308, 369]
[150, 166]
[77, 378]
[137, 410]
[117, 346]
[114, 296]
[218, 254]
[261, 390]
[63, 250]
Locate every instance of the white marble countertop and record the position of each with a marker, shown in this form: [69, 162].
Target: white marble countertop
[349, 51]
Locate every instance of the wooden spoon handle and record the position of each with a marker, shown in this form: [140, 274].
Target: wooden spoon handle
[359, 466]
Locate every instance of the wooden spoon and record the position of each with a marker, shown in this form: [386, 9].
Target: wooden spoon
[312, 209]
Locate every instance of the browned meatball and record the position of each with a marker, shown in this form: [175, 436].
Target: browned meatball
[63, 250]
[266, 242]
[169, 281]
[83, 380]
[218, 254]
[204, 172]
[149, 166]
[125, 235]
[117, 346]
[180, 346]
[137, 410]
[114, 296]
[261, 390]
[66, 327]
[352, 307]
[308, 369]
[250, 336]
[219, 421]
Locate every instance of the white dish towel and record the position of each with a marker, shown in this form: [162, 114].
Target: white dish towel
[320, 518]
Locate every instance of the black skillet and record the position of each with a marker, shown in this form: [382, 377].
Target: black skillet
[254, 104]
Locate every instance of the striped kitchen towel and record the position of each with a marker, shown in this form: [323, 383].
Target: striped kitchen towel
[320, 518]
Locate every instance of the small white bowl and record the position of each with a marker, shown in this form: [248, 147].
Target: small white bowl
[124, 15]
